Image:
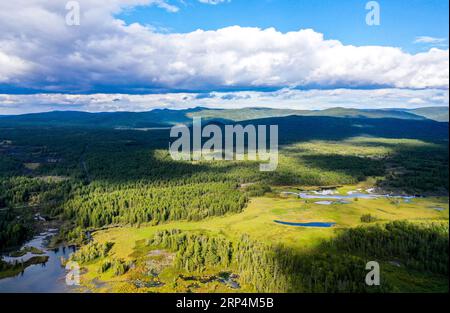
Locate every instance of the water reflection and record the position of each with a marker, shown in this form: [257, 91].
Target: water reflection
[46, 277]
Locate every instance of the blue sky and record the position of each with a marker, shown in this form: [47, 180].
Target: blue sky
[401, 20]
[110, 55]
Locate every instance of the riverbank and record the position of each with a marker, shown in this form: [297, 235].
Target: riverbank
[36, 267]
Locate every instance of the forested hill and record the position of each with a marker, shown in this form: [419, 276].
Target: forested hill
[255, 113]
[299, 128]
[439, 114]
[154, 118]
[166, 117]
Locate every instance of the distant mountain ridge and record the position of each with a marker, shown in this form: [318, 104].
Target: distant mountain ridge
[253, 113]
[439, 114]
[167, 117]
[154, 118]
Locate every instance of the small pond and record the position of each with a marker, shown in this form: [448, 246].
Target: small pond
[312, 224]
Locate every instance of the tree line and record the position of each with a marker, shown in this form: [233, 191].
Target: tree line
[338, 265]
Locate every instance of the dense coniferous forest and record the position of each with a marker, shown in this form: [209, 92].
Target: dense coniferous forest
[337, 266]
[420, 247]
[143, 203]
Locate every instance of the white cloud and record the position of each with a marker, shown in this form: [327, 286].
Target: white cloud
[164, 5]
[214, 2]
[429, 40]
[104, 53]
[417, 101]
[284, 98]
[12, 67]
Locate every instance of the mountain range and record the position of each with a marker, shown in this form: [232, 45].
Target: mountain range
[168, 117]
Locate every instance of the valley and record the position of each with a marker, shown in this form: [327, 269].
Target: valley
[346, 191]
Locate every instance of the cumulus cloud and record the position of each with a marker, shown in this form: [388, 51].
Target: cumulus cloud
[283, 98]
[104, 54]
[12, 67]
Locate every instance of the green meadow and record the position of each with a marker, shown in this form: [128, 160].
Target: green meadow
[257, 220]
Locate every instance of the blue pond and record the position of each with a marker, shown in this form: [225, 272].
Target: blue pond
[313, 224]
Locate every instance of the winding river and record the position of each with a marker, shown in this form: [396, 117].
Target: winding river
[329, 197]
[350, 195]
[48, 277]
